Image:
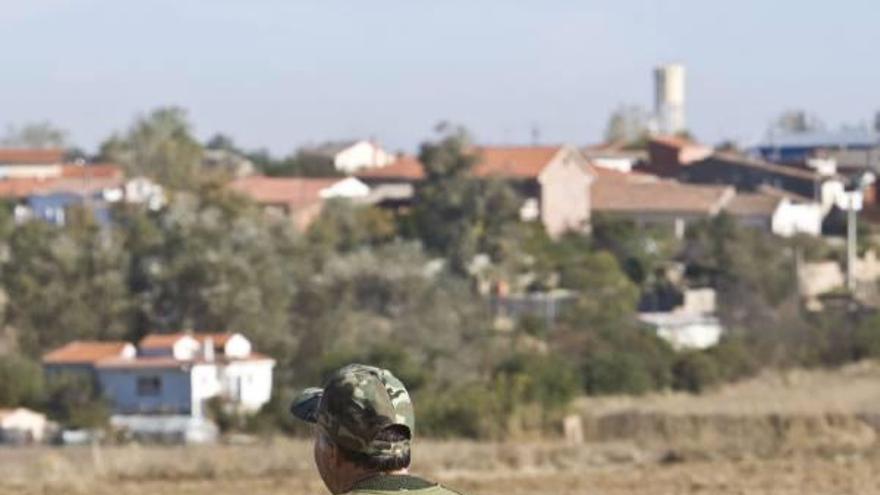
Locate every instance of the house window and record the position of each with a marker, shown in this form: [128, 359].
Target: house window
[149, 386]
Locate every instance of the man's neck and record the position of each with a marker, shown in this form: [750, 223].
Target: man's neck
[373, 474]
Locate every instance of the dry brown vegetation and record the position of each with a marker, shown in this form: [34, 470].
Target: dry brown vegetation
[284, 467]
[798, 433]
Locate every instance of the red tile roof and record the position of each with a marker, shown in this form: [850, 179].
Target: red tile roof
[85, 352]
[294, 192]
[22, 188]
[163, 362]
[94, 170]
[751, 204]
[31, 156]
[161, 340]
[525, 162]
[78, 186]
[657, 196]
[405, 168]
[74, 178]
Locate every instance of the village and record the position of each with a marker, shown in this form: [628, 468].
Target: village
[170, 384]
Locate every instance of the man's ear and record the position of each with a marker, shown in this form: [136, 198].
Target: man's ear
[334, 455]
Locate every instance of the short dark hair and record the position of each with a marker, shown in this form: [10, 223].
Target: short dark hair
[382, 462]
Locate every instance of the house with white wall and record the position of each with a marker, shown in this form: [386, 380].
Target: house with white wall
[554, 181]
[171, 374]
[22, 425]
[780, 214]
[352, 156]
[298, 199]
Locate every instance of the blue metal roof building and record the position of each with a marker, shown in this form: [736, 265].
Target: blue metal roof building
[798, 147]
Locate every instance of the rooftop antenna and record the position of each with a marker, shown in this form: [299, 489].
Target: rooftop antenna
[536, 135]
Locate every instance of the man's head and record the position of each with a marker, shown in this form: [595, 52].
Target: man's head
[364, 421]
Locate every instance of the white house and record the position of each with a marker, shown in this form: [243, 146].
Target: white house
[22, 426]
[172, 374]
[137, 190]
[691, 325]
[300, 199]
[349, 187]
[685, 330]
[780, 214]
[351, 156]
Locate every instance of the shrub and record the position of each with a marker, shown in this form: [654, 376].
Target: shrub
[616, 372]
[695, 372]
[469, 410]
[73, 400]
[21, 382]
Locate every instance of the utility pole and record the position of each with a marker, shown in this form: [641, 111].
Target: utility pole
[857, 186]
[851, 243]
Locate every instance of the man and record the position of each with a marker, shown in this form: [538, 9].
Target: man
[364, 425]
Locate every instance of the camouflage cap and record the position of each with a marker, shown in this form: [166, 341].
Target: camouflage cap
[355, 404]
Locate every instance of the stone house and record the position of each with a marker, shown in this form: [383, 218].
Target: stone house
[554, 181]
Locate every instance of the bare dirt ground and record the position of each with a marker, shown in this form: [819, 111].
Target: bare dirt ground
[796, 433]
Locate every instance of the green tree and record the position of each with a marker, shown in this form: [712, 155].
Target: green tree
[73, 400]
[641, 251]
[21, 382]
[344, 226]
[456, 214]
[796, 121]
[627, 124]
[34, 135]
[391, 293]
[159, 145]
[212, 261]
[66, 284]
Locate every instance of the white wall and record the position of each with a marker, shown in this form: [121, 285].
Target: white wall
[25, 421]
[350, 187]
[790, 219]
[30, 171]
[205, 383]
[360, 155]
[237, 346]
[565, 194]
[249, 383]
[685, 331]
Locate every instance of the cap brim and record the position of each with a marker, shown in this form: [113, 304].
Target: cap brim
[305, 405]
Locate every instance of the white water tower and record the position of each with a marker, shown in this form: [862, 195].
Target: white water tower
[669, 90]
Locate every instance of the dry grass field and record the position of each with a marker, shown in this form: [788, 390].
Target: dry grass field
[284, 467]
[801, 433]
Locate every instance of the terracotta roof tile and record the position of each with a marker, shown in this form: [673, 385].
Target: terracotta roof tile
[525, 162]
[85, 352]
[22, 188]
[749, 204]
[166, 340]
[31, 156]
[623, 196]
[404, 168]
[514, 161]
[93, 170]
[161, 340]
[295, 192]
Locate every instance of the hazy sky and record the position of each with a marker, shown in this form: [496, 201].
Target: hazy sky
[280, 73]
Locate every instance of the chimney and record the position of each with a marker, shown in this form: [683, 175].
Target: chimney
[208, 349]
